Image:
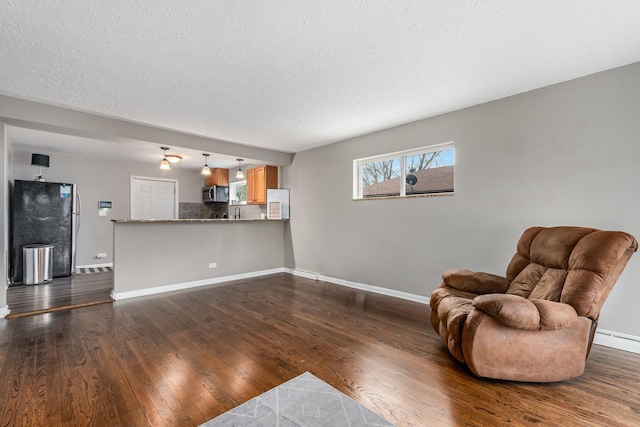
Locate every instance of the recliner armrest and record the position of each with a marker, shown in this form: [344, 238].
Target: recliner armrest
[520, 313]
[475, 282]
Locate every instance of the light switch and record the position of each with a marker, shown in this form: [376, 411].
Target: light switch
[102, 212]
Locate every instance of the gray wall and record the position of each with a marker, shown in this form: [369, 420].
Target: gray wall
[144, 259]
[104, 180]
[4, 259]
[562, 155]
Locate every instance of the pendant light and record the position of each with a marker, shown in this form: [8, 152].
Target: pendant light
[240, 174]
[206, 170]
[164, 164]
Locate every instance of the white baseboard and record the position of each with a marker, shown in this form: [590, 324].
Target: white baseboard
[617, 340]
[361, 286]
[108, 264]
[606, 338]
[193, 284]
[4, 311]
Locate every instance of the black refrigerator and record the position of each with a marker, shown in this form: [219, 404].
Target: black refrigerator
[44, 213]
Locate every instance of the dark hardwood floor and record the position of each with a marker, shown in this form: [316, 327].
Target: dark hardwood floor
[60, 294]
[184, 357]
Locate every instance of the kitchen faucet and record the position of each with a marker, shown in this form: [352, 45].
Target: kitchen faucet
[236, 213]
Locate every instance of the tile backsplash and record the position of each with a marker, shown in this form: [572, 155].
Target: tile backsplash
[201, 210]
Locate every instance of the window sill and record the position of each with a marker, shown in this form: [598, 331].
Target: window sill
[413, 196]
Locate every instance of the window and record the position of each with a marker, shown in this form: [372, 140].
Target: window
[238, 193]
[427, 170]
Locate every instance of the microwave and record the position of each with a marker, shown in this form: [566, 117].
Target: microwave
[215, 194]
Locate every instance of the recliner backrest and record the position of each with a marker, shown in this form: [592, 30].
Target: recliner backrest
[574, 265]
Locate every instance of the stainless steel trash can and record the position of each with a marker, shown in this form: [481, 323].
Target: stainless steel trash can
[37, 264]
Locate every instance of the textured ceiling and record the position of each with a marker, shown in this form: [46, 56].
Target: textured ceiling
[291, 75]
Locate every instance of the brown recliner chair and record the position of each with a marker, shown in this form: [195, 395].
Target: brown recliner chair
[537, 323]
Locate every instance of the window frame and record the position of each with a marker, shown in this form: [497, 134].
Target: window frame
[401, 155]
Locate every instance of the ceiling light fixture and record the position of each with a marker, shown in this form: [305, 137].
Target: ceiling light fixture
[173, 158]
[164, 164]
[240, 174]
[206, 170]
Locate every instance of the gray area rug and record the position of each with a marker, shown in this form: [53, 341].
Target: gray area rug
[303, 401]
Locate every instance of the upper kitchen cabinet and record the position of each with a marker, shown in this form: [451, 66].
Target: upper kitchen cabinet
[218, 176]
[258, 180]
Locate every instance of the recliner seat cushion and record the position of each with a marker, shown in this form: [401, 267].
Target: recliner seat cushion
[510, 310]
[555, 315]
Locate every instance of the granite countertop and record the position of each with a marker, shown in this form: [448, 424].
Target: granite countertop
[142, 221]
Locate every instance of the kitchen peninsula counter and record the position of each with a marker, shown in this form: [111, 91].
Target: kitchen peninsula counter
[142, 221]
[153, 256]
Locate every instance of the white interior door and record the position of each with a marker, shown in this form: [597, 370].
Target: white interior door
[153, 198]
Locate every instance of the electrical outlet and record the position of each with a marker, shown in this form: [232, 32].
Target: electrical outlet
[101, 255]
[213, 265]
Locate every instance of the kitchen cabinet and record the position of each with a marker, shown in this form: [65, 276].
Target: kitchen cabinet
[218, 176]
[258, 180]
